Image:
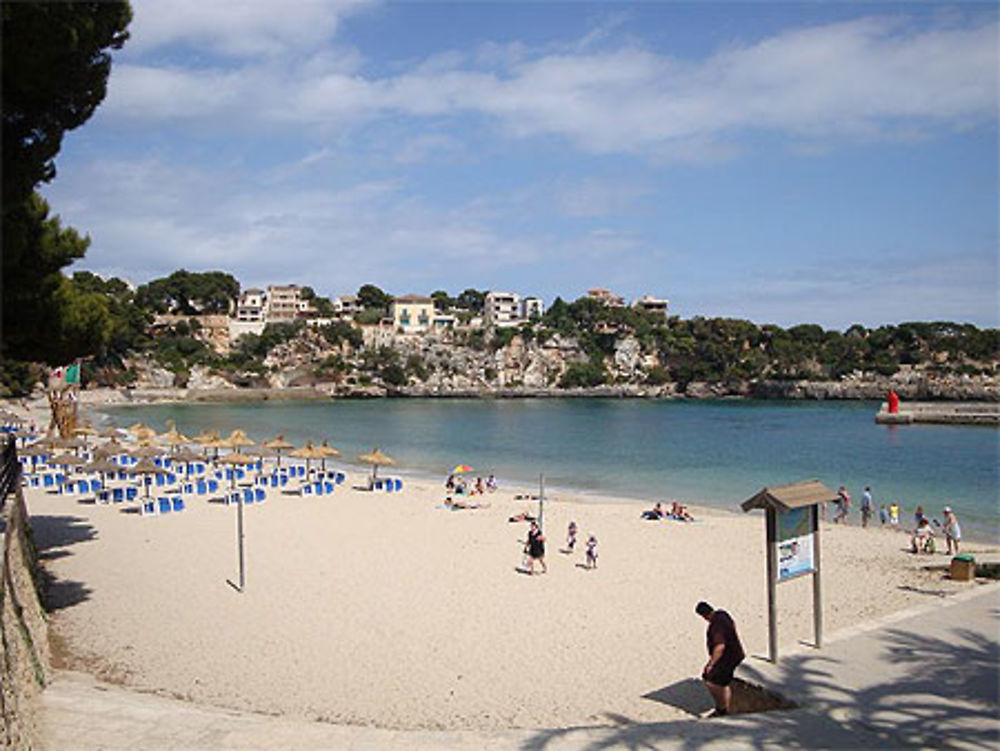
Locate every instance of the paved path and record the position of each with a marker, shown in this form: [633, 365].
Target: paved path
[928, 677]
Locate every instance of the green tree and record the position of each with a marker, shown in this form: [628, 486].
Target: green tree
[56, 61]
[373, 298]
[45, 316]
[189, 293]
[472, 299]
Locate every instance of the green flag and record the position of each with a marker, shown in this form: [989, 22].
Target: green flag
[72, 377]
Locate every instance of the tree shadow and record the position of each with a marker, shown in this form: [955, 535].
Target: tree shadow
[946, 696]
[51, 532]
[52, 536]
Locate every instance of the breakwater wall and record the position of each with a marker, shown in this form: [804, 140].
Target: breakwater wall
[942, 413]
[24, 643]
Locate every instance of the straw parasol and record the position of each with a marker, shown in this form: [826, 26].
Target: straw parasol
[326, 451]
[236, 460]
[109, 432]
[146, 467]
[111, 448]
[238, 439]
[145, 452]
[186, 456]
[377, 459]
[102, 466]
[84, 430]
[67, 460]
[210, 440]
[174, 437]
[279, 444]
[307, 452]
[142, 432]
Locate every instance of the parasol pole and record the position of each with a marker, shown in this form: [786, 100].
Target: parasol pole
[541, 500]
[239, 540]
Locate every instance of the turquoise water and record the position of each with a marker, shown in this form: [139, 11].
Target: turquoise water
[717, 453]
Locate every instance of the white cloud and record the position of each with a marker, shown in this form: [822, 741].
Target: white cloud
[864, 79]
[240, 28]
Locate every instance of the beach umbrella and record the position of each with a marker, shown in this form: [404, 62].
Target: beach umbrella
[145, 452]
[174, 437]
[102, 467]
[67, 460]
[84, 430]
[142, 432]
[236, 460]
[110, 448]
[69, 443]
[279, 444]
[238, 439]
[109, 432]
[307, 452]
[210, 440]
[326, 451]
[461, 468]
[186, 457]
[35, 450]
[377, 459]
[146, 467]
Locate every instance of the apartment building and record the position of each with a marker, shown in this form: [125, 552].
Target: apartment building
[282, 303]
[502, 309]
[250, 306]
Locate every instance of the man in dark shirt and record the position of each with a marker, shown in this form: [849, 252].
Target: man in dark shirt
[724, 653]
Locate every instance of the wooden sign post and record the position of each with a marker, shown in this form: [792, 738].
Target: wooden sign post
[793, 546]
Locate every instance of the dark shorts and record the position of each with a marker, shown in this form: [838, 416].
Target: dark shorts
[721, 674]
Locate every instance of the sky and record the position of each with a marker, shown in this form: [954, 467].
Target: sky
[779, 162]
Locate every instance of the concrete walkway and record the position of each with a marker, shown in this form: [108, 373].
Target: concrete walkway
[927, 677]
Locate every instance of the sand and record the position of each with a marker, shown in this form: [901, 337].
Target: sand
[384, 609]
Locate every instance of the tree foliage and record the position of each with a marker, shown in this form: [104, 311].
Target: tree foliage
[189, 293]
[373, 298]
[56, 61]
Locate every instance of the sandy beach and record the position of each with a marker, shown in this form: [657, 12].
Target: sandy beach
[389, 610]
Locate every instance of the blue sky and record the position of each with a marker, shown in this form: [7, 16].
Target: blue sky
[808, 162]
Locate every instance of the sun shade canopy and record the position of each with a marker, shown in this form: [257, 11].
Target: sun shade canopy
[787, 497]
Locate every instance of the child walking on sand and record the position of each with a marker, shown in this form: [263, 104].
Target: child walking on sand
[571, 537]
[592, 552]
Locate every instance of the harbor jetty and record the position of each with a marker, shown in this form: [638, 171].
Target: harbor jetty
[947, 413]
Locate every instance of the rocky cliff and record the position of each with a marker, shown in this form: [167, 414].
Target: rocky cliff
[451, 365]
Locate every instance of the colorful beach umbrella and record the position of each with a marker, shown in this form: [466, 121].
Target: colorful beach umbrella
[461, 468]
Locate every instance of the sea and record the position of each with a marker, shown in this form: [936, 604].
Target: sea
[716, 453]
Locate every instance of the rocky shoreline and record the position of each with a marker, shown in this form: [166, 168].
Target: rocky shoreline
[923, 388]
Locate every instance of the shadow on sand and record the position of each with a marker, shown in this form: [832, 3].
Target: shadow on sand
[53, 535]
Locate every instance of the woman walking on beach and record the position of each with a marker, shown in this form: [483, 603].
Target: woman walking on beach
[536, 548]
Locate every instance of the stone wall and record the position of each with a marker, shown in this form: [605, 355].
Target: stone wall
[24, 643]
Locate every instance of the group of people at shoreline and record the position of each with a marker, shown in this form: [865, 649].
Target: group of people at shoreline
[888, 515]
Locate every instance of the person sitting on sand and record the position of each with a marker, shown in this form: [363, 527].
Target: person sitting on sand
[654, 514]
[480, 488]
[450, 483]
[679, 512]
[921, 535]
[491, 483]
